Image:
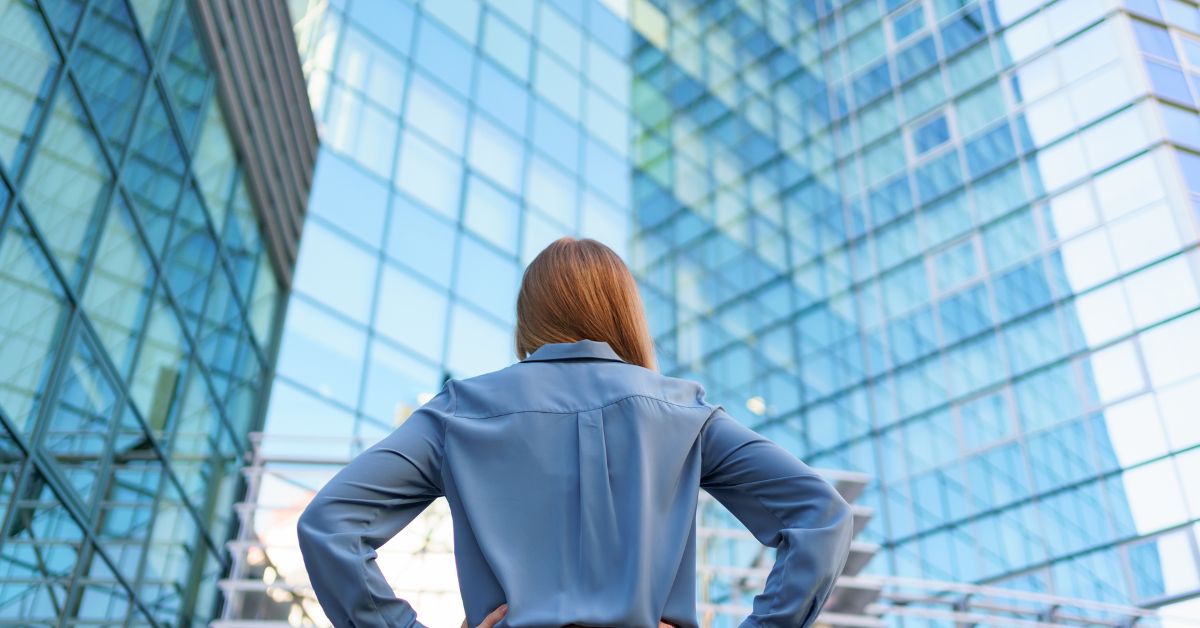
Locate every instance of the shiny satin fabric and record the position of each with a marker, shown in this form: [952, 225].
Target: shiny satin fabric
[573, 479]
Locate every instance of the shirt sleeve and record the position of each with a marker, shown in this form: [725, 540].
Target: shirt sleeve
[787, 506]
[363, 506]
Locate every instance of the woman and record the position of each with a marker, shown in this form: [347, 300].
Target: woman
[573, 477]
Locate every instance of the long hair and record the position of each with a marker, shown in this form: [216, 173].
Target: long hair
[578, 289]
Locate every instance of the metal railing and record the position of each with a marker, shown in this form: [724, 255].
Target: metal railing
[268, 586]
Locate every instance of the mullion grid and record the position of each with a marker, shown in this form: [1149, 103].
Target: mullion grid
[114, 162]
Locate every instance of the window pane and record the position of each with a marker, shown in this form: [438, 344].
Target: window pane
[322, 352]
[461, 17]
[1129, 186]
[215, 164]
[508, 46]
[908, 21]
[519, 11]
[186, 75]
[550, 190]
[30, 323]
[361, 131]
[194, 438]
[487, 279]
[497, 154]
[391, 22]
[607, 173]
[1178, 404]
[411, 312]
[154, 172]
[609, 73]
[241, 239]
[1163, 566]
[220, 331]
[443, 55]
[477, 345]
[986, 420]
[152, 17]
[538, 233]
[396, 383]
[1171, 349]
[492, 215]
[68, 182]
[129, 495]
[64, 16]
[1088, 260]
[46, 530]
[1134, 430]
[348, 197]
[931, 134]
[301, 413]
[1154, 40]
[119, 287]
[1101, 314]
[429, 175]
[558, 34]
[436, 113]
[264, 301]
[558, 84]
[1154, 495]
[1144, 236]
[605, 222]
[156, 375]
[111, 68]
[556, 135]
[30, 61]
[371, 69]
[420, 240]
[1114, 372]
[246, 386]
[171, 552]
[501, 97]
[75, 436]
[190, 257]
[338, 272]
[1168, 82]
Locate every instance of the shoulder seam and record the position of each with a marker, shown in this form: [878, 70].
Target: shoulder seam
[604, 405]
[453, 397]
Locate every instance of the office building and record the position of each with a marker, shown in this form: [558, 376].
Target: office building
[950, 244]
[144, 260]
[457, 139]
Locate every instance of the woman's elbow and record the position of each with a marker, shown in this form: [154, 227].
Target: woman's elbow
[840, 517]
[314, 522]
[844, 522]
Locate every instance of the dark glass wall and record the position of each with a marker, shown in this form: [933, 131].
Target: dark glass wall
[137, 316]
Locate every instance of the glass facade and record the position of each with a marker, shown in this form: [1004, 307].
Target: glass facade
[949, 243]
[457, 140]
[137, 317]
[952, 244]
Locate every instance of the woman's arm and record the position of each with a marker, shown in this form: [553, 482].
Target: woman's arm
[786, 505]
[363, 506]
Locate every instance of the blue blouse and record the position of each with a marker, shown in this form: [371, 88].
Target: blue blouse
[572, 478]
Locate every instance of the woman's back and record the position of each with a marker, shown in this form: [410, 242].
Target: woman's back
[586, 474]
[573, 477]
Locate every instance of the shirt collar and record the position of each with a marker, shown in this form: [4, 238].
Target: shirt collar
[579, 349]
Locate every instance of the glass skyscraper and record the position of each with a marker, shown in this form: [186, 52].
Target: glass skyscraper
[948, 243]
[457, 140]
[138, 314]
[951, 244]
